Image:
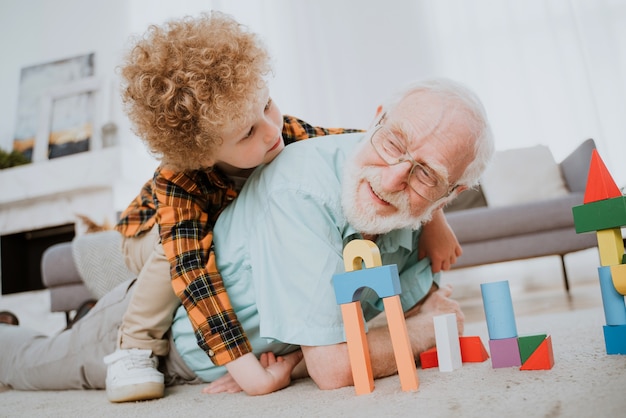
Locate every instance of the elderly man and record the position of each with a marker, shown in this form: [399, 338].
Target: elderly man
[280, 243]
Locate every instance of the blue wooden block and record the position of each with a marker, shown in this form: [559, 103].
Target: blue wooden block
[498, 310]
[615, 339]
[613, 302]
[384, 280]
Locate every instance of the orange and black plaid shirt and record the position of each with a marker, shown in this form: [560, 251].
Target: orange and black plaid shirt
[186, 206]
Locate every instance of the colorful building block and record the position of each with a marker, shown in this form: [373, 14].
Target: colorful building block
[600, 183]
[603, 214]
[504, 353]
[610, 246]
[618, 273]
[615, 339]
[498, 308]
[386, 282]
[447, 338]
[472, 349]
[358, 348]
[528, 344]
[542, 358]
[428, 358]
[612, 300]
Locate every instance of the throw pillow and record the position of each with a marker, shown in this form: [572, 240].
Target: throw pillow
[522, 175]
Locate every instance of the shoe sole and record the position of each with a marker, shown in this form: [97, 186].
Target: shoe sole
[138, 392]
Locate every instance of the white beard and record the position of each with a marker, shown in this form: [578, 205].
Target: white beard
[364, 217]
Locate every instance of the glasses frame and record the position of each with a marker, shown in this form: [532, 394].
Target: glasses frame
[408, 158]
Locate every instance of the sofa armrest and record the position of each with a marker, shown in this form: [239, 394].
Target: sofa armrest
[575, 167]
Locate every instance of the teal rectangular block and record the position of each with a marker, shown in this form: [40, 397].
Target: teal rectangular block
[384, 280]
[603, 214]
[615, 339]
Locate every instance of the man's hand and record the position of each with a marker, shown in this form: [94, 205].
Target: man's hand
[439, 243]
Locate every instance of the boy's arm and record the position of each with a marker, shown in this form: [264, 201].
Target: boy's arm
[256, 377]
[438, 242]
[295, 129]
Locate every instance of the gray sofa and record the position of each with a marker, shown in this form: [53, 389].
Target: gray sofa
[542, 228]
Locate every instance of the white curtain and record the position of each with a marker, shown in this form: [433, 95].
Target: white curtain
[548, 71]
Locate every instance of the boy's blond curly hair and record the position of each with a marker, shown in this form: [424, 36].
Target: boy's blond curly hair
[188, 80]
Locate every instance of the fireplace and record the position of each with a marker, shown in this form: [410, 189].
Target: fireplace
[21, 256]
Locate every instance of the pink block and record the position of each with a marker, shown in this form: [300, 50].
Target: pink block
[505, 353]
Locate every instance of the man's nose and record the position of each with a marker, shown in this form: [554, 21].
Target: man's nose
[394, 177]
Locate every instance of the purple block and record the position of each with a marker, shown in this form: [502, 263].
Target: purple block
[505, 353]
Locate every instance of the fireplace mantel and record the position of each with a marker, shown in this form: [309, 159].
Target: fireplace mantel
[97, 183]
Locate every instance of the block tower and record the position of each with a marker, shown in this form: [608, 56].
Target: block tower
[384, 280]
[507, 348]
[604, 212]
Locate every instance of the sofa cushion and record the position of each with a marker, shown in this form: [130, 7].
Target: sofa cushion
[481, 224]
[522, 175]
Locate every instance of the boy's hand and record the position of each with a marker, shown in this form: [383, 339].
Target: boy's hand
[439, 243]
[280, 367]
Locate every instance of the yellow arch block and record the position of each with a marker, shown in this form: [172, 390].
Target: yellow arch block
[618, 273]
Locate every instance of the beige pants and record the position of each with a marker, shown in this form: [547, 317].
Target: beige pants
[153, 304]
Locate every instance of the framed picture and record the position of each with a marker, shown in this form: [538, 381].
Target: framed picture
[68, 119]
[35, 82]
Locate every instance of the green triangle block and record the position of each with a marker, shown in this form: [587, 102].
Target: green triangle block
[528, 344]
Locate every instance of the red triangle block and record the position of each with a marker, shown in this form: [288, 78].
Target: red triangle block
[429, 358]
[472, 349]
[600, 183]
[542, 358]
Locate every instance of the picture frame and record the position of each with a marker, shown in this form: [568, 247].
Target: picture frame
[69, 120]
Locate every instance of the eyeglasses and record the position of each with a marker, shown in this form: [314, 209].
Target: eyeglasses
[423, 180]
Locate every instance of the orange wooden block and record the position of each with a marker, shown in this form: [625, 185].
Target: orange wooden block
[358, 348]
[542, 358]
[401, 343]
[429, 358]
[472, 349]
[600, 183]
[618, 274]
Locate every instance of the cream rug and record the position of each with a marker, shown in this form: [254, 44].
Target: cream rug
[584, 382]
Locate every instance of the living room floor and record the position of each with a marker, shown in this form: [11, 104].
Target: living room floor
[536, 288]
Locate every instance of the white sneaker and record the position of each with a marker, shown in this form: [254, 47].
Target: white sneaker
[132, 375]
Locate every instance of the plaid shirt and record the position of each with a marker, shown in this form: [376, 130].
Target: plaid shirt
[186, 206]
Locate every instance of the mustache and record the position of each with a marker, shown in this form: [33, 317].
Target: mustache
[398, 199]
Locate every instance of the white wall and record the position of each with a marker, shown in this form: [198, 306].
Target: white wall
[335, 61]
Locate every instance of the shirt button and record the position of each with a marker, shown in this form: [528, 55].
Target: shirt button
[211, 353]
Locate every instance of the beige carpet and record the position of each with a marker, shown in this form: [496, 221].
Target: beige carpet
[585, 382]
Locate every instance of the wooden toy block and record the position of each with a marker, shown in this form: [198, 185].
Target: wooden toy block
[504, 353]
[472, 349]
[610, 246]
[407, 371]
[615, 339]
[447, 338]
[600, 183]
[603, 214]
[528, 344]
[542, 358]
[358, 349]
[386, 282]
[383, 279]
[361, 251]
[612, 300]
[428, 358]
[618, 273]
[498, 310]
